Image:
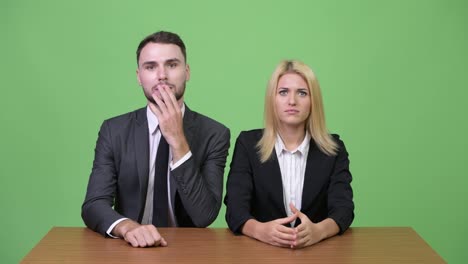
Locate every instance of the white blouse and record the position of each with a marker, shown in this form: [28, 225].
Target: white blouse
[292, 165]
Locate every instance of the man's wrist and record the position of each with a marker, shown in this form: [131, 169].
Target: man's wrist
[111, 228]
[180, 151]
[123, 227]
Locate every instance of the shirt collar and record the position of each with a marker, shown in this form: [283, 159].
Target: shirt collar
[153, 121]
[303, 148]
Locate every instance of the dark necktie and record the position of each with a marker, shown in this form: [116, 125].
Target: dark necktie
[160, 202]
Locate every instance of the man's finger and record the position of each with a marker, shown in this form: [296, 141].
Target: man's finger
[172, 99]
[155, 235]
[169, 99]
[148, 237]
[140, 237]
[163, 242]
[155, 109]
[130, 238]
[160, 104]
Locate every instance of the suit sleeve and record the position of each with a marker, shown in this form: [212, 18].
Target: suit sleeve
[96, 211]
[200, 178]
[340, 193]
[239, 188]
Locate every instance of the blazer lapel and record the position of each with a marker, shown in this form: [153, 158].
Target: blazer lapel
[313, 174]
[275, 182]
[141, 139]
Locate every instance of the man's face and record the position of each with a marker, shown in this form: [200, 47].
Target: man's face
[162, 65]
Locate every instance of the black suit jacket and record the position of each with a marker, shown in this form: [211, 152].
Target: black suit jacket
[255, 189]
[119, 177]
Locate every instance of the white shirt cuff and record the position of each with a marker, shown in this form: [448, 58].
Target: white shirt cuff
[181, 161]
[108, 232]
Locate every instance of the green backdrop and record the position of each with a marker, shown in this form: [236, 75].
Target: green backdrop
[393, 75]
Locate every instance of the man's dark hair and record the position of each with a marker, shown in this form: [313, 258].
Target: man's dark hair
[163, 37]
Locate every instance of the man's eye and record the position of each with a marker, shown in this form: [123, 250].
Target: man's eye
[149, 67]
[172, 65]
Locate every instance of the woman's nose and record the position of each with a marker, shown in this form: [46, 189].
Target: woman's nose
[292, 99]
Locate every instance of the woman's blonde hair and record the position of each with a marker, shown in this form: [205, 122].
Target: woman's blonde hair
[315, 123]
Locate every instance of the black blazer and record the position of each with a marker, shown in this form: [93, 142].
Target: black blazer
[255, 190]
[119, 177]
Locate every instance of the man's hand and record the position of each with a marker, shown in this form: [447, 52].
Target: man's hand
[273, 232]
[309, 233]
[139, 235]
[169, 115]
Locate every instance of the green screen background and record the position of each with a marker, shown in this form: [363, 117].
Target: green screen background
[393, 76]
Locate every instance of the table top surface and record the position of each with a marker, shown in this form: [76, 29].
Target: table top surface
[219, 245]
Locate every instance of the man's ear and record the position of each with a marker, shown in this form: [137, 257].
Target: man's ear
[138, 77]
[187, 71]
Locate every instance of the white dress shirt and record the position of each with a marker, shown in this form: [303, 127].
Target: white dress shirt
[292, 165]
[154, 138]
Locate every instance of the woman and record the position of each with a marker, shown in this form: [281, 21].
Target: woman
[289, 184]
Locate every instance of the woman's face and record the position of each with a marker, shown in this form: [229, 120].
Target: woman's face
[292, 100]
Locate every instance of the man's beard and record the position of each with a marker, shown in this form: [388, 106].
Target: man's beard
[177, 94]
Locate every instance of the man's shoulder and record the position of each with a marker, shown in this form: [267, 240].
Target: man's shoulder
[133, 116]
[204, 122]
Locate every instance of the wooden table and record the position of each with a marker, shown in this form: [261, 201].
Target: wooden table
[219, 245]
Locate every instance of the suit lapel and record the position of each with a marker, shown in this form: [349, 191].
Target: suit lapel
[189, 115]
[141, 139]
[188, 124]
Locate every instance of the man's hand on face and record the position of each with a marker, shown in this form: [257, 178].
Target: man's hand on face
[169, 115]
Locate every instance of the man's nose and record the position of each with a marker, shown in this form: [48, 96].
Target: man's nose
[161, 73]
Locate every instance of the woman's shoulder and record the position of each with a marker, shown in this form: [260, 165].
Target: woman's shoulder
[339, 142]
[337, 138]
[250, 138]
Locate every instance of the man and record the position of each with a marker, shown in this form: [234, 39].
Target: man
[161, 165]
